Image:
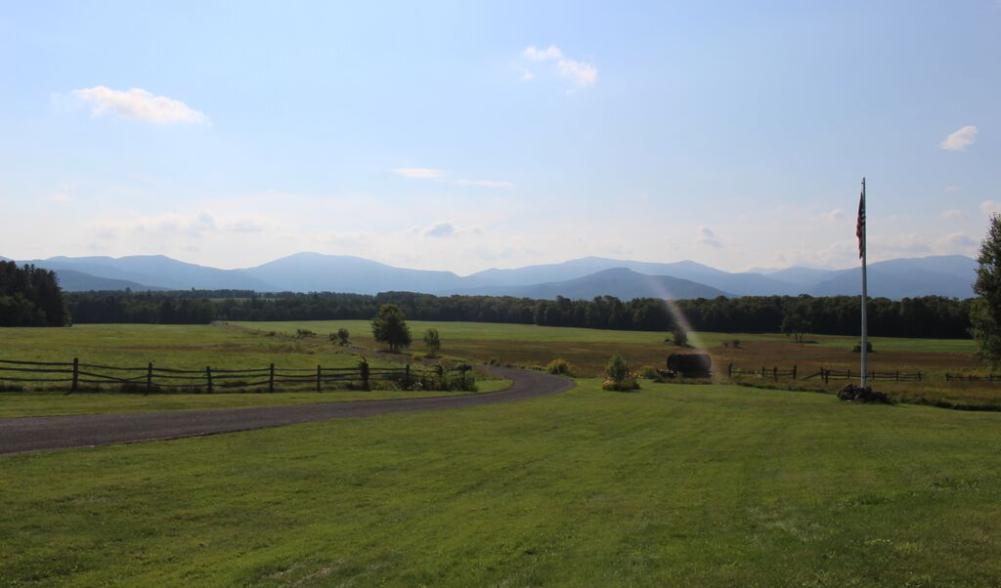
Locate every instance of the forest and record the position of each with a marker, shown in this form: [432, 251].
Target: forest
[929, 316]
[30, 297]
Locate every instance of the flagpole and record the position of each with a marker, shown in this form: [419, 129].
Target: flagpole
[865, 294]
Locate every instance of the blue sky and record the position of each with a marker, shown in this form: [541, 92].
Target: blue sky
[463, 136]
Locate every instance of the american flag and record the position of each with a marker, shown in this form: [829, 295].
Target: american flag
[860, 223]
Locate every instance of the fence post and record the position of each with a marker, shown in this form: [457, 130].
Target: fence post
[406, 377]
[149, 377]
[775, 373]
[898, 375]
[208, 377]
[826, 376]
[319, 372]
[762, 371]
[729, 370]
[76, 374]
[794, 371]
[271, 378]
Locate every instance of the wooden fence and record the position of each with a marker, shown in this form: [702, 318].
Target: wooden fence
[989, 378]
[152, 378]
[776, 373]
[773, 372]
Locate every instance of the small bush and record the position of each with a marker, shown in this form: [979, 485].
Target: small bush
[680, 336]
[651, 373]
[304, 333]
[342, 337]
[623, 385]
[858, 348]
[617, 375]
[853, 393]
[560, 367]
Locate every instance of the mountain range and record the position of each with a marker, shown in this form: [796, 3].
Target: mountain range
[586, 277]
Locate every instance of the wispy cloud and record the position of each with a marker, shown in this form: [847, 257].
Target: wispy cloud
[960, 139]
[834, 215]
[952, 214]
[708, 237]
[581, 73]
[430, 173]
[139, 104]
[440, 230]
[419, 173]
[491, 184]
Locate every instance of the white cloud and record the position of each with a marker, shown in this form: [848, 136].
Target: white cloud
[139, 104]
[419, 173]
[952, 214]
[708, 237]
[834, 215]
[960, 139]
[581, 73]
[440, 230]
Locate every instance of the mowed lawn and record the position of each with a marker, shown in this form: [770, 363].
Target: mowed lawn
[589, 349]
[700, 485]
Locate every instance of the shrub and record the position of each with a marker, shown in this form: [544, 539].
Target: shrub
[651, 373]
[432, 341]
[680, 336]
[627, 383]
[560, 367]
[617, 376]
[858, 348]
[304, 333]
[342, 337]
[853, 393]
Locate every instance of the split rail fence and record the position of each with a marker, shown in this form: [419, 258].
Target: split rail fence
[776, 373]
[152, 378]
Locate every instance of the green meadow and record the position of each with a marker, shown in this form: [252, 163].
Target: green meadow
[674, 485]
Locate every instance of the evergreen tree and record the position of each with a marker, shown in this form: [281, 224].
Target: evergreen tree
[985, 314]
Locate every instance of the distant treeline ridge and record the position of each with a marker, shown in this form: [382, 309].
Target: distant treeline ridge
[929, 316]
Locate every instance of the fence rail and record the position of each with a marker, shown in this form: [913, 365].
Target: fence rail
[989, 378]
[151, 378]
[825, 374]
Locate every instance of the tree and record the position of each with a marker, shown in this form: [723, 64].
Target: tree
[680, 336]
[985, 313]
[795, 322]
[432, 341]
[390, 327]
[343, 337]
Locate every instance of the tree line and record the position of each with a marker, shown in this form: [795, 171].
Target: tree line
[30, 297]
[928, 316]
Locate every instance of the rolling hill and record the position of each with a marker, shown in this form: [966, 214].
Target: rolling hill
[585, 277]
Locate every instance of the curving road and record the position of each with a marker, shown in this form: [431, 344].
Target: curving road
[59, 432]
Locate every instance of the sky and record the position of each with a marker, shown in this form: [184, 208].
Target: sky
[464, 135]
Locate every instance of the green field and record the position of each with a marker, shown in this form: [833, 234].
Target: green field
[176, 346]
[673, 485]
[589, 349]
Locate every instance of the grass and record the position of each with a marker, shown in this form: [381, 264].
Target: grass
[184, 347]
[21, 404]
[673, 485]
[589, 349]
